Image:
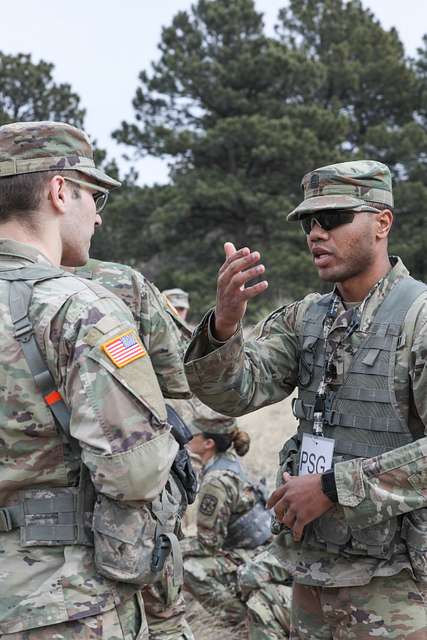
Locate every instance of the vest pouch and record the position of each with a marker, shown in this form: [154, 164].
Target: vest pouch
[124, 535]
[332, 532]
[377, 541]
[414, 532]
[288, 460]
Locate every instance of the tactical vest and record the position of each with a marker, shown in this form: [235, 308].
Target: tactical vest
[362, 415]
[131, 542]
[251, 529]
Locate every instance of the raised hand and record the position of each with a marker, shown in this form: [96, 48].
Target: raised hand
[232, 295]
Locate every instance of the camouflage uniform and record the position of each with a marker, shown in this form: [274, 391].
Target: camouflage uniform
[238, 377]
[165, 337]
[164, 334]
[233, 582]
[118, 417]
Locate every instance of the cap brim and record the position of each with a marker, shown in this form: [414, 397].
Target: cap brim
[321, 203]
[102, 178]
[194, 430]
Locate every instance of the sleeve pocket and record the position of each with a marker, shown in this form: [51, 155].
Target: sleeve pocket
[138, 377]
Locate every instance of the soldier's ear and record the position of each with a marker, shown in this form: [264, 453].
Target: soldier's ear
[209, 443]
[56, 193]
[384, 223]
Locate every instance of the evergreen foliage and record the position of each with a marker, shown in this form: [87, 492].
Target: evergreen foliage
[28, 92]
[241, 117]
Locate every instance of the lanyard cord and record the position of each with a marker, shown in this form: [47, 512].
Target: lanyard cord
[319, 403]
[328, 369]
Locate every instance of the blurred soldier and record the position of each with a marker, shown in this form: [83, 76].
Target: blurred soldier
[165, 337]
[180, 301]
[233, 526]
[86, 446]
[352, 493]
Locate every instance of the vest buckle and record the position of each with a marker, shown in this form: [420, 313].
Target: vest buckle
[5, 520]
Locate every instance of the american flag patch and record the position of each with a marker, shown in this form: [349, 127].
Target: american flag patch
[124, 348]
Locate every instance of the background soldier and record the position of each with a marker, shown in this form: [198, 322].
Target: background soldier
[355, 518]
[233, 527]
[81, 406]
[180, 300]
[165, 337]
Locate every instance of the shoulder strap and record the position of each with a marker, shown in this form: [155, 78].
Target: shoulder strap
[311, 311]
[398, 302]
[225, 464]
[20, 294]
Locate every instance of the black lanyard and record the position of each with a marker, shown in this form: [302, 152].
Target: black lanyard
[328, 366]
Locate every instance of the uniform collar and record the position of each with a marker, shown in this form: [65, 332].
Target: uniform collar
[379, 291]
[15, 249]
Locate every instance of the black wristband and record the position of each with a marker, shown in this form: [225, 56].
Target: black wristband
[329, 487]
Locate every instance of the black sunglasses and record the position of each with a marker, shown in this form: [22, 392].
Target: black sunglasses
[329, 219]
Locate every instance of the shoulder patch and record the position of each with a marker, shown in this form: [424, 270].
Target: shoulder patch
[124, 348]
[208, 505]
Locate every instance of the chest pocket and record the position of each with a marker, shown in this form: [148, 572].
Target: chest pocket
[138, 377]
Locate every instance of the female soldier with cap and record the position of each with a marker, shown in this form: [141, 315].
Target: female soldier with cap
[233, 527]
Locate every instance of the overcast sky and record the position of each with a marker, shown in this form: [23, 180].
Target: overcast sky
[100, 46]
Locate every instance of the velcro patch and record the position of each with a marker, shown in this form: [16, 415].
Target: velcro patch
[124, 348]
[208, 505]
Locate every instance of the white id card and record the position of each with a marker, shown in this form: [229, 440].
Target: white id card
[316, 454]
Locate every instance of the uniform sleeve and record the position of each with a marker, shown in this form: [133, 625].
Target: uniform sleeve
[117, 411]
[376, 489]
[239, 377]
[166, 338]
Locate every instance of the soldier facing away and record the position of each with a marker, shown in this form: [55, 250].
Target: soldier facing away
[180, 301]
[86, 449]
[165, 337]
[351, 502]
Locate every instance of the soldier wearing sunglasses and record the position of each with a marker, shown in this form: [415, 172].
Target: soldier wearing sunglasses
[351, 504]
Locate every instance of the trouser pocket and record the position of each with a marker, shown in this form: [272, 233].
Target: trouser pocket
[414, 532]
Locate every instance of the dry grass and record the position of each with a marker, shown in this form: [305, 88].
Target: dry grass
[269, 428]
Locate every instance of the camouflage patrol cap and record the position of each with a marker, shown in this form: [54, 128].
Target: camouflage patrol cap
[206, 420]
[31, 147]
[178, 297]
[346, 185]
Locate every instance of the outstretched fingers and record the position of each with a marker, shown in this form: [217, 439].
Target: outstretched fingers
[234, 258]
[234, 288]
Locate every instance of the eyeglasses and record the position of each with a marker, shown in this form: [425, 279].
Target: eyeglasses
[100, 196]
[328, 220]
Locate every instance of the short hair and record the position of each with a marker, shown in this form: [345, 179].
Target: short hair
[380, 205]
[21, 194]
